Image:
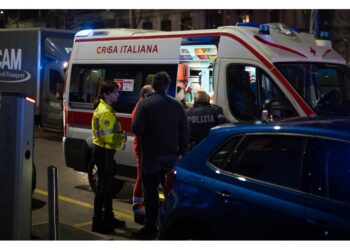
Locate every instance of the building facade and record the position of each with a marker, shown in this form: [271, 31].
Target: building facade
[336, 22]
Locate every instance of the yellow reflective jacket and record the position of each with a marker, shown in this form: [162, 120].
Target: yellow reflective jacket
[106, 129]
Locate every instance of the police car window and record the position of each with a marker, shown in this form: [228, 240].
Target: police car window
[275, 159]
[220, 158]
[328, 169]
[339, 172]
[87, 79]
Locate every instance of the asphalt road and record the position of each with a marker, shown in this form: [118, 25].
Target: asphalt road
[75, 203]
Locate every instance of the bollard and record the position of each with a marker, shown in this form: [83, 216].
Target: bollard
[53, 202]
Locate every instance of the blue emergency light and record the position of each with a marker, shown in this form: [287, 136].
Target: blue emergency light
[250, 24]
[324, 35]
[83, 33]
[264, 29]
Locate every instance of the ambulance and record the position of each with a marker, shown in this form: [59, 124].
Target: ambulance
[253, 72]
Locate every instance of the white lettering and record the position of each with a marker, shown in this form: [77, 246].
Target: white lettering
[128, 49]
[201, 119]
[16, 60]
[11, 60]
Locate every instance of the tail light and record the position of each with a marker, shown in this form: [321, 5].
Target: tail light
[169, 181]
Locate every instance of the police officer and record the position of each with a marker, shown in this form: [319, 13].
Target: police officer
[203, 116]
[107, 137]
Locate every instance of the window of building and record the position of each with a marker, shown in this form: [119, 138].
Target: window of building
[274, 16]
[165, 25]
[87, 79]
[215, 18]
[186, 23]
[245, 18]
[147, 25]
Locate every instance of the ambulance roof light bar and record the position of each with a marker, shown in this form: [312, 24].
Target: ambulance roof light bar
[264, 29]
[324, 35]
[282, 29]
[250, 24]
[84, 33]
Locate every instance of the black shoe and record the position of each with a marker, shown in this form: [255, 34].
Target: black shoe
[113, 222]
[102, 228]
[139, 219]
[146, 233]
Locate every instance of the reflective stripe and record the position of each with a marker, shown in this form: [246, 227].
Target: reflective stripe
[138, 210]
[221, 116]
[103, 132]
[137, 199]
[96, 124]
[115, 127]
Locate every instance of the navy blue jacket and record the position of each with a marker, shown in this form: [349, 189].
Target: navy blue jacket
[201, 118]
[161, 123]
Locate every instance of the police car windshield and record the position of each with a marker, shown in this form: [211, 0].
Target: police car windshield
[325, 87]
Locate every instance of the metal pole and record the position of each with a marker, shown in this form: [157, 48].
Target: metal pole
[53, 202]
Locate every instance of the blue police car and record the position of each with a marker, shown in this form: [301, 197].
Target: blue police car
[286, 180]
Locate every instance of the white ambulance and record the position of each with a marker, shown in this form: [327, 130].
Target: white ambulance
[248, 70]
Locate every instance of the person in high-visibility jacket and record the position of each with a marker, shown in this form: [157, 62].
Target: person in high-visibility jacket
[108, 137]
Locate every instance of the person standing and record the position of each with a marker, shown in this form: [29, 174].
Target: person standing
[160, 122]
[137, 198]
[108, 137]
[202, 117]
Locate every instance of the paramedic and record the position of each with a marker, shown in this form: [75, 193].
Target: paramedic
[160, 122]
[137, 198]
[107, 137]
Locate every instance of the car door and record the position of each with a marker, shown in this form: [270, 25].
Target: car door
[259, 188]
[51, 103]
[328, 176]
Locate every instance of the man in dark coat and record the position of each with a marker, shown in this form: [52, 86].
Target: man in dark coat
[161, 124]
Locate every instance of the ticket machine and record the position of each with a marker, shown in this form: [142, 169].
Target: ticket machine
[16, 158]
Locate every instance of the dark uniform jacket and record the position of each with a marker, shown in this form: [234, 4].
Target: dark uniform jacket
[201, 118]
[161, 123]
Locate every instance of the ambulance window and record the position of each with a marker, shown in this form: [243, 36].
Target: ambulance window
[195, 70]
[274, 100]
[87, 79]
[241, 92]
[250, 90]
[85, 82]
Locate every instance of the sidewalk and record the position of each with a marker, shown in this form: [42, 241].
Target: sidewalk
[66, 232]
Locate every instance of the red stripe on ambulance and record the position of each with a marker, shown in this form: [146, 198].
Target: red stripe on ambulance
[77, 118]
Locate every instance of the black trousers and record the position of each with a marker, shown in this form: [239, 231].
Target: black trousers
[154, 168]
[104, 160]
